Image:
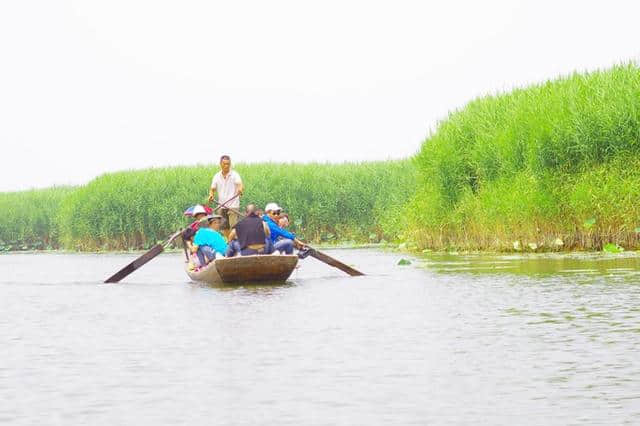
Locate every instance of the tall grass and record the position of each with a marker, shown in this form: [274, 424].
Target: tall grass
[533, 165]
[554, 165]
[327, 202]
[28, 218]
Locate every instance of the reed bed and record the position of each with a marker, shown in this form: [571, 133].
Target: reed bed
[135, 209]
[28, 218]
[553, 166]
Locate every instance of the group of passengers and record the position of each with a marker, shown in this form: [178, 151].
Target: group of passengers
[257, 233]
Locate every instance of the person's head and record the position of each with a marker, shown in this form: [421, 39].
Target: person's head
[225, 164]
[214, 221]
[188, 234]
[284, 220]
[273, 211]
[250, 210]
[199, 212]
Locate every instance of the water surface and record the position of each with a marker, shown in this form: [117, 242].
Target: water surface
[449, 339]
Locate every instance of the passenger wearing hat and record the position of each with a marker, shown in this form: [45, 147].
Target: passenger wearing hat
[198, 214]
[208, 242]
[281, 239]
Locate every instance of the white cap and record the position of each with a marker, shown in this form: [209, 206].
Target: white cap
[272, 207]
[198, 209]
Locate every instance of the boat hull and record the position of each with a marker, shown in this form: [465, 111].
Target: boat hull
[207, 275]
[247, 269]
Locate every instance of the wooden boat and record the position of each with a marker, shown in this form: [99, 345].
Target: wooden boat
[247, 269]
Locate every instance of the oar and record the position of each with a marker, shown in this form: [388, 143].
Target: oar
[224, 205]
[155, 250]
[322, 257]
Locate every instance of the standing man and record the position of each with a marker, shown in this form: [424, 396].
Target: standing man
[228, 184]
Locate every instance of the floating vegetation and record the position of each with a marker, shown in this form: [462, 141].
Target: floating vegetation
[612, 248]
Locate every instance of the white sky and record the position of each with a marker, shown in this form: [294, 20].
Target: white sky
[91, 86]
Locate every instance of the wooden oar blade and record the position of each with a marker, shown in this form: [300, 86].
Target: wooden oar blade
[333, 262]
[155, 250]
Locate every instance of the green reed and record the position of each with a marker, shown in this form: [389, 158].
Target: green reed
[135, 209]
[531, 166]
[28, 218]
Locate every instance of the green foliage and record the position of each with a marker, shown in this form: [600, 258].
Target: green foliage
[553, 160]
[612, 248]
[28, 218]
[135, 209]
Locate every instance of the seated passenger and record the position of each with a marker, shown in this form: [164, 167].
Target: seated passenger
[198, 214]
[187, 237]
[281, 239]
[284, 221]
[208, 242]
[250, 235]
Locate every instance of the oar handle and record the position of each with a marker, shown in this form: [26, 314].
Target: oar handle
[172, 238]
[224, 205]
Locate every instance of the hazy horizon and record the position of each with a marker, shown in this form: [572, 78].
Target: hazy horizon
[91, 87]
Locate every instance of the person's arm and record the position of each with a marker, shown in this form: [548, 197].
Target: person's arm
[212, 189]
[276, 231]
[232, 235]
[198, 240]
[286, 234]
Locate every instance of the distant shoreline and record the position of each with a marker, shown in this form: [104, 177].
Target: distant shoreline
[554, 167]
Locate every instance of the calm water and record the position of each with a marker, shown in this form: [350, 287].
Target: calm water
[446, 340]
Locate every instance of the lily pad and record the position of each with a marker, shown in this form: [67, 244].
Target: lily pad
[612, 248]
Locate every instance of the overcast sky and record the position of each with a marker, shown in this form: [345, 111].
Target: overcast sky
[88, 87]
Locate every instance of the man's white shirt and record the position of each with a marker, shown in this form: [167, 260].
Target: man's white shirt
[226, 188]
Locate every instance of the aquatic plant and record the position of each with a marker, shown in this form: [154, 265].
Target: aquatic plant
[28, 218]
[326, 202]
[552, 161]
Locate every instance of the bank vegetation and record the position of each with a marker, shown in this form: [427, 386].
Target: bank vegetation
[553, 166]
[328, 203]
